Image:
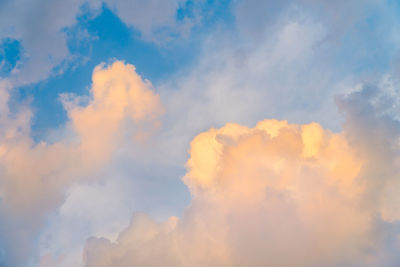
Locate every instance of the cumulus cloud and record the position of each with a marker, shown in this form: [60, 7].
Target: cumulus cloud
[279, 76]
[291, 68]
[278, 194]
[257, 193]
[34, 176]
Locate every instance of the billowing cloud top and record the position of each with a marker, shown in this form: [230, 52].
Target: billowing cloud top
[278, 194]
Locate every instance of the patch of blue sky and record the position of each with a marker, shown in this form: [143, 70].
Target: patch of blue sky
[370, 47]
[212, 12]
[10, 54]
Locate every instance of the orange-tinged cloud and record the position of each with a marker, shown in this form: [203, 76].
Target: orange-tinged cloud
[119, 95]
[33, 177]
[278, 194]
[270, 146]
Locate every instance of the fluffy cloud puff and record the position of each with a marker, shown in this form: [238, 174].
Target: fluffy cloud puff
[35, 176]
[278, 194]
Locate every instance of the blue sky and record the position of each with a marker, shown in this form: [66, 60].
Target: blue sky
[125, 117]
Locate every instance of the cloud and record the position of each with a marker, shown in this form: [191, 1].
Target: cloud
[97, 208]
[246, 82]
[255, 17]
[278, 194]
[34, 177]
[41, 29]
[286, 68]
[292, 68]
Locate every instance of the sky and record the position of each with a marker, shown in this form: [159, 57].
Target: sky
[199, 133]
